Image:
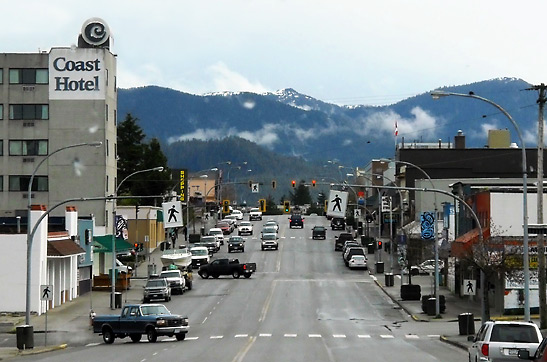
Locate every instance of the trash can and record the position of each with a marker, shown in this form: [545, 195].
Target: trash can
[390, 280]
[25, 337]
[370, 248]
[151, 269]
[379, 267]
[117, 300]
[466, 324]
[431, 306]
[202, 231]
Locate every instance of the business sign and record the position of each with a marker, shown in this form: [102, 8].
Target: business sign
[172, 214]
[427, 223]
[183, 193]
[121, 227]
[338, 202]
[77, 73]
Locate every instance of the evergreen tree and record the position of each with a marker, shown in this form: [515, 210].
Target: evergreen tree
[301, 195]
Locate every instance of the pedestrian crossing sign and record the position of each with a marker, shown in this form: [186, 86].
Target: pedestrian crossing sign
[469, 287]
[338, 202]
[46, 292]
[172, 214]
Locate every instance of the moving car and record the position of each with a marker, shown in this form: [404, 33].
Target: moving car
[296, 220]
[318, 232]
[218, 233]
[255, 214]
[226, 267]
[225, 226]
[137, 319]
[268, 230]
[338, 223]
[269, 241]
[272, 223]
[502, 341]
[200, 255]
[238, 214]
[157, 288]
[211, 242]
[245, 227]
[236, 243]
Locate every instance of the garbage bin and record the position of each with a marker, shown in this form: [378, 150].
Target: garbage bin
[390, 280]
[202, 231]
[370, 248]
[466, 324]
[151, 269]
[379, 267]
[25, 337]
[117, 300]
[431, 306]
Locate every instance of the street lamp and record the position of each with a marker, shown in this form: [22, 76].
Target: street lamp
[113, 276]
[438, 95]
[29, 206]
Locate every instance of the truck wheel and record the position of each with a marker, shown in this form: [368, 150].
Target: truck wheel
[181, 336]
[151, 335]
[235, 274]
[247, 275]
[108, 335]
[215, 276]
[204, 274]
[135, 337]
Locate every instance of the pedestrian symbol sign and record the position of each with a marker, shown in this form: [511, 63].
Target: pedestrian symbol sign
[46, 292]
[469, 287]
[172, 214]
[255, 188]
[338, 202]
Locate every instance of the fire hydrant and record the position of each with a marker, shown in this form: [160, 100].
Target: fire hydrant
[92, 315]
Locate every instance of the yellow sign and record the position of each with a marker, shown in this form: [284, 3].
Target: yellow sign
[183, 185]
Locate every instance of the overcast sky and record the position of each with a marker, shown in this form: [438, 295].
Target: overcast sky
[339, 51]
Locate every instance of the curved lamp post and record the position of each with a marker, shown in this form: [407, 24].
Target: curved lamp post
[113, 276]
[29, 206]
[438, 95]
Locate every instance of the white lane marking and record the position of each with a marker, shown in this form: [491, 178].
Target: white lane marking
[191, 338]
[204, 320]
[363, 336]
[373, 277]
[434, 335]
[289, 335]
[169, 340]
[411, 336]
[92, 344]
[241, 336]
[293, 237]
[216, 337]
[267, 303]
[339, 336]
[243, 352]
[314, 335]
[386, 336]
[265, 335]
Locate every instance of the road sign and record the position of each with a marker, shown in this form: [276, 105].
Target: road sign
[172, 214]
[338, 202]
[386, 204]
[254, 187]
[469, 287]
[356, 213]
[46, 292]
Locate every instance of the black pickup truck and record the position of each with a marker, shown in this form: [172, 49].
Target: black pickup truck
[231, 267]
[137, 319]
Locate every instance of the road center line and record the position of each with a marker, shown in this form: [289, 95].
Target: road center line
[267, 302]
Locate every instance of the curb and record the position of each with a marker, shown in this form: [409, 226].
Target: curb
[454, 343]
[6, 353]
[413, 316]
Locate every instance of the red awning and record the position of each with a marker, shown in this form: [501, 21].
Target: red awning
[461, 245]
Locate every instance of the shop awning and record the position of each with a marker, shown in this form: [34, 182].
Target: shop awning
[103, 244]
[463, 243]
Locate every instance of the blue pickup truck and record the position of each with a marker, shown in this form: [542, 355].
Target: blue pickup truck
[137, 319]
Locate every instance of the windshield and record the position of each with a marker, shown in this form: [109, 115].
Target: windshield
[156, 283]
[245, 223]
[154, 310]
[208, 239]
[269, 237]
[172, 274]
[199, 252]
[514, 333]
[255, 210]
[215, 232]
[235, 239]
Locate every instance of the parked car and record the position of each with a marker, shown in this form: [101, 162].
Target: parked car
[255, 214]
[245, 227]
[175, 279]
[238, 214]
[339, 240]
[296, 220]
[318, 232]
[269, 241]
[218, 233]
[211, 243]
[200, 255]
[358, 261]
[137, 319]
[350, 244]
[338, 223]
[426, 267]
[502, 341]
[351, 252]
[156, 288]
[236, 243]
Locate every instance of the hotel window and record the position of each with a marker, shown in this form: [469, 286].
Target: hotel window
[28, 111]
[1, 76]
[28, 76]
[1, 183]
[28, 148]
[20, 183]
[1, 148]
[1, 111]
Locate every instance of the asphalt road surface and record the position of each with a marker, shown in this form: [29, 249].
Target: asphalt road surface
[302, 304]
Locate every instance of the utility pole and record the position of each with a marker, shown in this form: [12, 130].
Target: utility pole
[542, 277]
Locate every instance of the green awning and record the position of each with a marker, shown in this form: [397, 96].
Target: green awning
[103, 244]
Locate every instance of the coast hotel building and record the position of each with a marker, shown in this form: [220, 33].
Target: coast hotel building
[50, 100]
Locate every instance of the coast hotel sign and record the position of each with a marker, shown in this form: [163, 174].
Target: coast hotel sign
[80, 72]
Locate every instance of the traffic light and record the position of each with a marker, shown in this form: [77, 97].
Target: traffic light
[226, 206]
[141, 246]
[262, 205]
[379, 244]
[313, 183]
[293, 183]
[287, 206]
[87, 236]
[136, 245]
[326, 205]
[274, 184]
[250, 184]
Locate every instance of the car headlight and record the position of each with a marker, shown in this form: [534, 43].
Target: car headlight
[161, 322]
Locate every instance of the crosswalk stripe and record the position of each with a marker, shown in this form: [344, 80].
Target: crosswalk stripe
[289, 335]
[387, 336]
[363, 336]
[339, 336]
[241, 335]
[92, 344]
[434, 335]
[411, 336]
[314, 335]
[265, 335]
[216, 337]
[192, 338]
